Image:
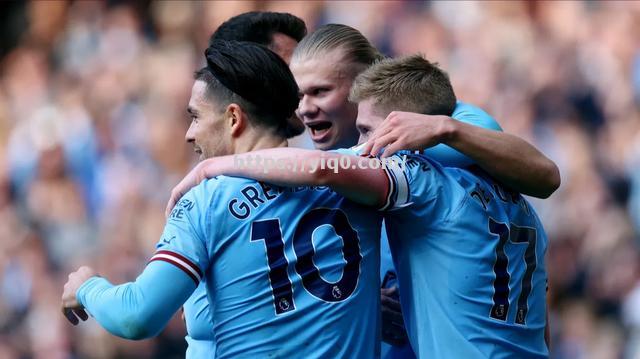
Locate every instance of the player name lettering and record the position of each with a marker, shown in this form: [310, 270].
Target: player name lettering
[255, 195]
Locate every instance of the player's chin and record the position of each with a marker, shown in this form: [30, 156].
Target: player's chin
[326, 144]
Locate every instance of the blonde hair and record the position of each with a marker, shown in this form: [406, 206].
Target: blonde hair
[409, 83]
[357, 49]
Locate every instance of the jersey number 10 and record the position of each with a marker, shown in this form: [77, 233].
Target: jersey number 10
[281, 287]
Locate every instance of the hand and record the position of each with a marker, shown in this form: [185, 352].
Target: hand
[70, 306]
[407, 131]
[393, 331]
[192, 179]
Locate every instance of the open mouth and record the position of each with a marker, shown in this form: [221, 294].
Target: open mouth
[319, 130]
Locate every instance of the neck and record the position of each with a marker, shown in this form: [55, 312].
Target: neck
[260, 143]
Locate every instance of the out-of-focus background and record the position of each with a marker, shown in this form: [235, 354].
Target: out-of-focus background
[92, 123]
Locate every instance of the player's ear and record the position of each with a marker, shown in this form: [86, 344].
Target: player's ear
[236, 119]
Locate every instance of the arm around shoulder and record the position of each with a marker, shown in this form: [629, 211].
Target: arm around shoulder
[510, 159]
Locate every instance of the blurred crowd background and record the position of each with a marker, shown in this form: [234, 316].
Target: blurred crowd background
[92, 124]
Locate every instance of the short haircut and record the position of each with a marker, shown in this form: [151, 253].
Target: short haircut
[254, 78]
[410, 84]
[357, 49]
[259, 27]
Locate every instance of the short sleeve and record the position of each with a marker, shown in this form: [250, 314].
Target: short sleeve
[472, 115]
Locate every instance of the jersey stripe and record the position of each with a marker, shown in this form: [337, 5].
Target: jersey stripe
[181, 262]
[391, 191]
[399, 195]
[404, 195]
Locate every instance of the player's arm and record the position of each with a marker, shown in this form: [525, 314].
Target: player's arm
[140, 309]
[297, 167]
[134, 310]
[510, 159]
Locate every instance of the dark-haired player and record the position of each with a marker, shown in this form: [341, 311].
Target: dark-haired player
[469, 254]
[280, 32]
[258, 248]
[325, 64]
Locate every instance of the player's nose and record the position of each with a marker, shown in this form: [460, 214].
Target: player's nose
[307, 107]
[190, 135]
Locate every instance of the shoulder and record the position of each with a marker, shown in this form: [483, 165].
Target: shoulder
[218, 184]
[474, 115]
[418, 162]
[211, 191]
[424, 172]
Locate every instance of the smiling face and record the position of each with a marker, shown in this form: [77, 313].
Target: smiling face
[207, 132]
[324, 83]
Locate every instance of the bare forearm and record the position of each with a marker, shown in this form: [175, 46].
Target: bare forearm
[296, 167]
[508, 158]
[282, 166]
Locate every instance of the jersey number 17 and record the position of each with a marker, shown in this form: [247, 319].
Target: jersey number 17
[515, 235]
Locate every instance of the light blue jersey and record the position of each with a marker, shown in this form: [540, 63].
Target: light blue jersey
[197, 317]
[466, 113]
[470, 263]
[197, 323]
[389, 279]
[446, 156]
[289, 272]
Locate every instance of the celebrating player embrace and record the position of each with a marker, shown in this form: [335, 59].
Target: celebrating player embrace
[469, 253]
[287, 263]
[275, 278]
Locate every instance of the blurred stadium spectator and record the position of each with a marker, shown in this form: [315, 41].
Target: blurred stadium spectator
[92, 125]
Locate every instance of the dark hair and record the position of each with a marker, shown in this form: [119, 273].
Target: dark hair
[256, 79]
[357, 49]
[259, 27]
[410, 83]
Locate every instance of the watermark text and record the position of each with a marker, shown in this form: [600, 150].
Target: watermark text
[313, 164]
